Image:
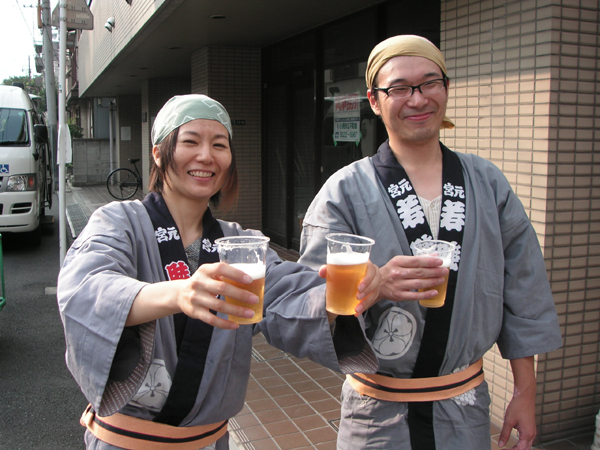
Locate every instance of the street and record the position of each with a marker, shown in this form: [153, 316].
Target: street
[40, 403]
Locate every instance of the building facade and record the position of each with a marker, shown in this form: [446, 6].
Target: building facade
[525, 94]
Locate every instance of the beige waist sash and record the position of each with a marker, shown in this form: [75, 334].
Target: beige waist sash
[136, 434]
[387, 388]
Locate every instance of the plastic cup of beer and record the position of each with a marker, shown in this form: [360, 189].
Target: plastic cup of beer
[435, 249]
[347, 258]
[248, 254]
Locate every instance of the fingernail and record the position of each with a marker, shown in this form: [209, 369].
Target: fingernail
[247, 279]
[253, 298]
[359, 309]
[249, 313]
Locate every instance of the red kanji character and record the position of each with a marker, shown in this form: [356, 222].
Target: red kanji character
[178, 270]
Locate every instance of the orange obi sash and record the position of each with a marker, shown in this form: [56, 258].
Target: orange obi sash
[391, 389]
[136, 434]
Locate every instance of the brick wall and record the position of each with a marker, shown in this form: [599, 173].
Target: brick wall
[231, 75]
[524, 94]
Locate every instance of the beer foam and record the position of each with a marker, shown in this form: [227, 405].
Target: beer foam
[256, 271]
[347, 258]
[446, 259]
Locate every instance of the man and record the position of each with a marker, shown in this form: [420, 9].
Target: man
[429, 392]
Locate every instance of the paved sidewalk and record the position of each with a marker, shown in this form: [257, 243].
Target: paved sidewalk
[291, 403]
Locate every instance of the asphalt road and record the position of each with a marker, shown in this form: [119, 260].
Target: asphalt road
[40, 403]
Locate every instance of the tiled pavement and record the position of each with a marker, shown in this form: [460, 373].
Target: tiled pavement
[291, 403]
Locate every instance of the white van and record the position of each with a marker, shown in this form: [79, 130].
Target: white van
[25, 165]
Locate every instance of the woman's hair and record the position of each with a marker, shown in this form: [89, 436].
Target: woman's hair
[228, 193]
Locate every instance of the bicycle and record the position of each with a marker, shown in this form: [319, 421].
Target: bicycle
[123, 183]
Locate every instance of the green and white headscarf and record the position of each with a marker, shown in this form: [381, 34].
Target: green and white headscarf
[185, 108]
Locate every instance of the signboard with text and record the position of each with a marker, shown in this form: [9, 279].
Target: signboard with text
[346, 118]
[79, 16]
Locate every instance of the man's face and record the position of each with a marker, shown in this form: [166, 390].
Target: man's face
[413, 120]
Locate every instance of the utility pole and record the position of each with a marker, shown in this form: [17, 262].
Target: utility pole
[50, 83]
[78, 15]
[62, 127]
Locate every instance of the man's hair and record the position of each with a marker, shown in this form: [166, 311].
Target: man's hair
[228, 194]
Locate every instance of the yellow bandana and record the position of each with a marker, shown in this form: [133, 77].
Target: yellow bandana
[404, 45]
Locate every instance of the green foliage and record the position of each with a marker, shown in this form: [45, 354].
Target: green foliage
[76, 130]
[33, 85]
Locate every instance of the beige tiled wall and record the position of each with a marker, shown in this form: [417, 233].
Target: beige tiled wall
[232, 76]
[526, 95]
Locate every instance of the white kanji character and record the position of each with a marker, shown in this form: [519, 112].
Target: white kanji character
[453, 215]
[425, 237]
[410, 212]
[207, 246]
[394, 191]
[459, 192]
[404, 186]
[455, 256]
[449, 190]
[161, 235]
[173, 233]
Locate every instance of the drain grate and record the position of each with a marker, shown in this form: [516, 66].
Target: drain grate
[239, 437]
[76, 218]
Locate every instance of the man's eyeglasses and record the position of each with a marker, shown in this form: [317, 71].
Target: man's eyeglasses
[402, 91]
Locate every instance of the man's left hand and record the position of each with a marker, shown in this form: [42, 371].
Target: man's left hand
[520, 413]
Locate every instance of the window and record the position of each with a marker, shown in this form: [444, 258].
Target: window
[13, 126]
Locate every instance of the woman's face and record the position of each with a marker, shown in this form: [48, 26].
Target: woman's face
[201, 160]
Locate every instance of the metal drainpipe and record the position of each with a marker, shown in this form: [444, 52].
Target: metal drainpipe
[111, 111]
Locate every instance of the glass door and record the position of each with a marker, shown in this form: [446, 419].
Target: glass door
[290, 161]
[349, 128]
[289, 139]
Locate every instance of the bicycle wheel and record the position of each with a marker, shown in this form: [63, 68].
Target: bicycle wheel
[122, 184]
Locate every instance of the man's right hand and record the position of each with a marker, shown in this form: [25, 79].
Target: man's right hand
[403, 276]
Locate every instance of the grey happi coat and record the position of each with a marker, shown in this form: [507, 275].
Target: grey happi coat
[502, 297]
[114, 257]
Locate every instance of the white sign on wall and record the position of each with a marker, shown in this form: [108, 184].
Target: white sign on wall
[125, 133]
[346, 118]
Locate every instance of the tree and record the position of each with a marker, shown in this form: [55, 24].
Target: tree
[33, 85]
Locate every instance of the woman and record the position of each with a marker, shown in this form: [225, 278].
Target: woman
[140, 296]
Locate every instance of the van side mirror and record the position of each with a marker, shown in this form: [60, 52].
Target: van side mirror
[40, 132]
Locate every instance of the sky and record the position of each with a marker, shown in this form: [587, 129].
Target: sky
[18, 31]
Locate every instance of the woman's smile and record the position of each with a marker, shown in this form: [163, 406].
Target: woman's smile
[200, 174]
[201, 161]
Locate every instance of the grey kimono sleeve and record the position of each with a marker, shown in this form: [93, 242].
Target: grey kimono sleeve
[296, 321]
[329, 212]
[96, 288]
[530, 323]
